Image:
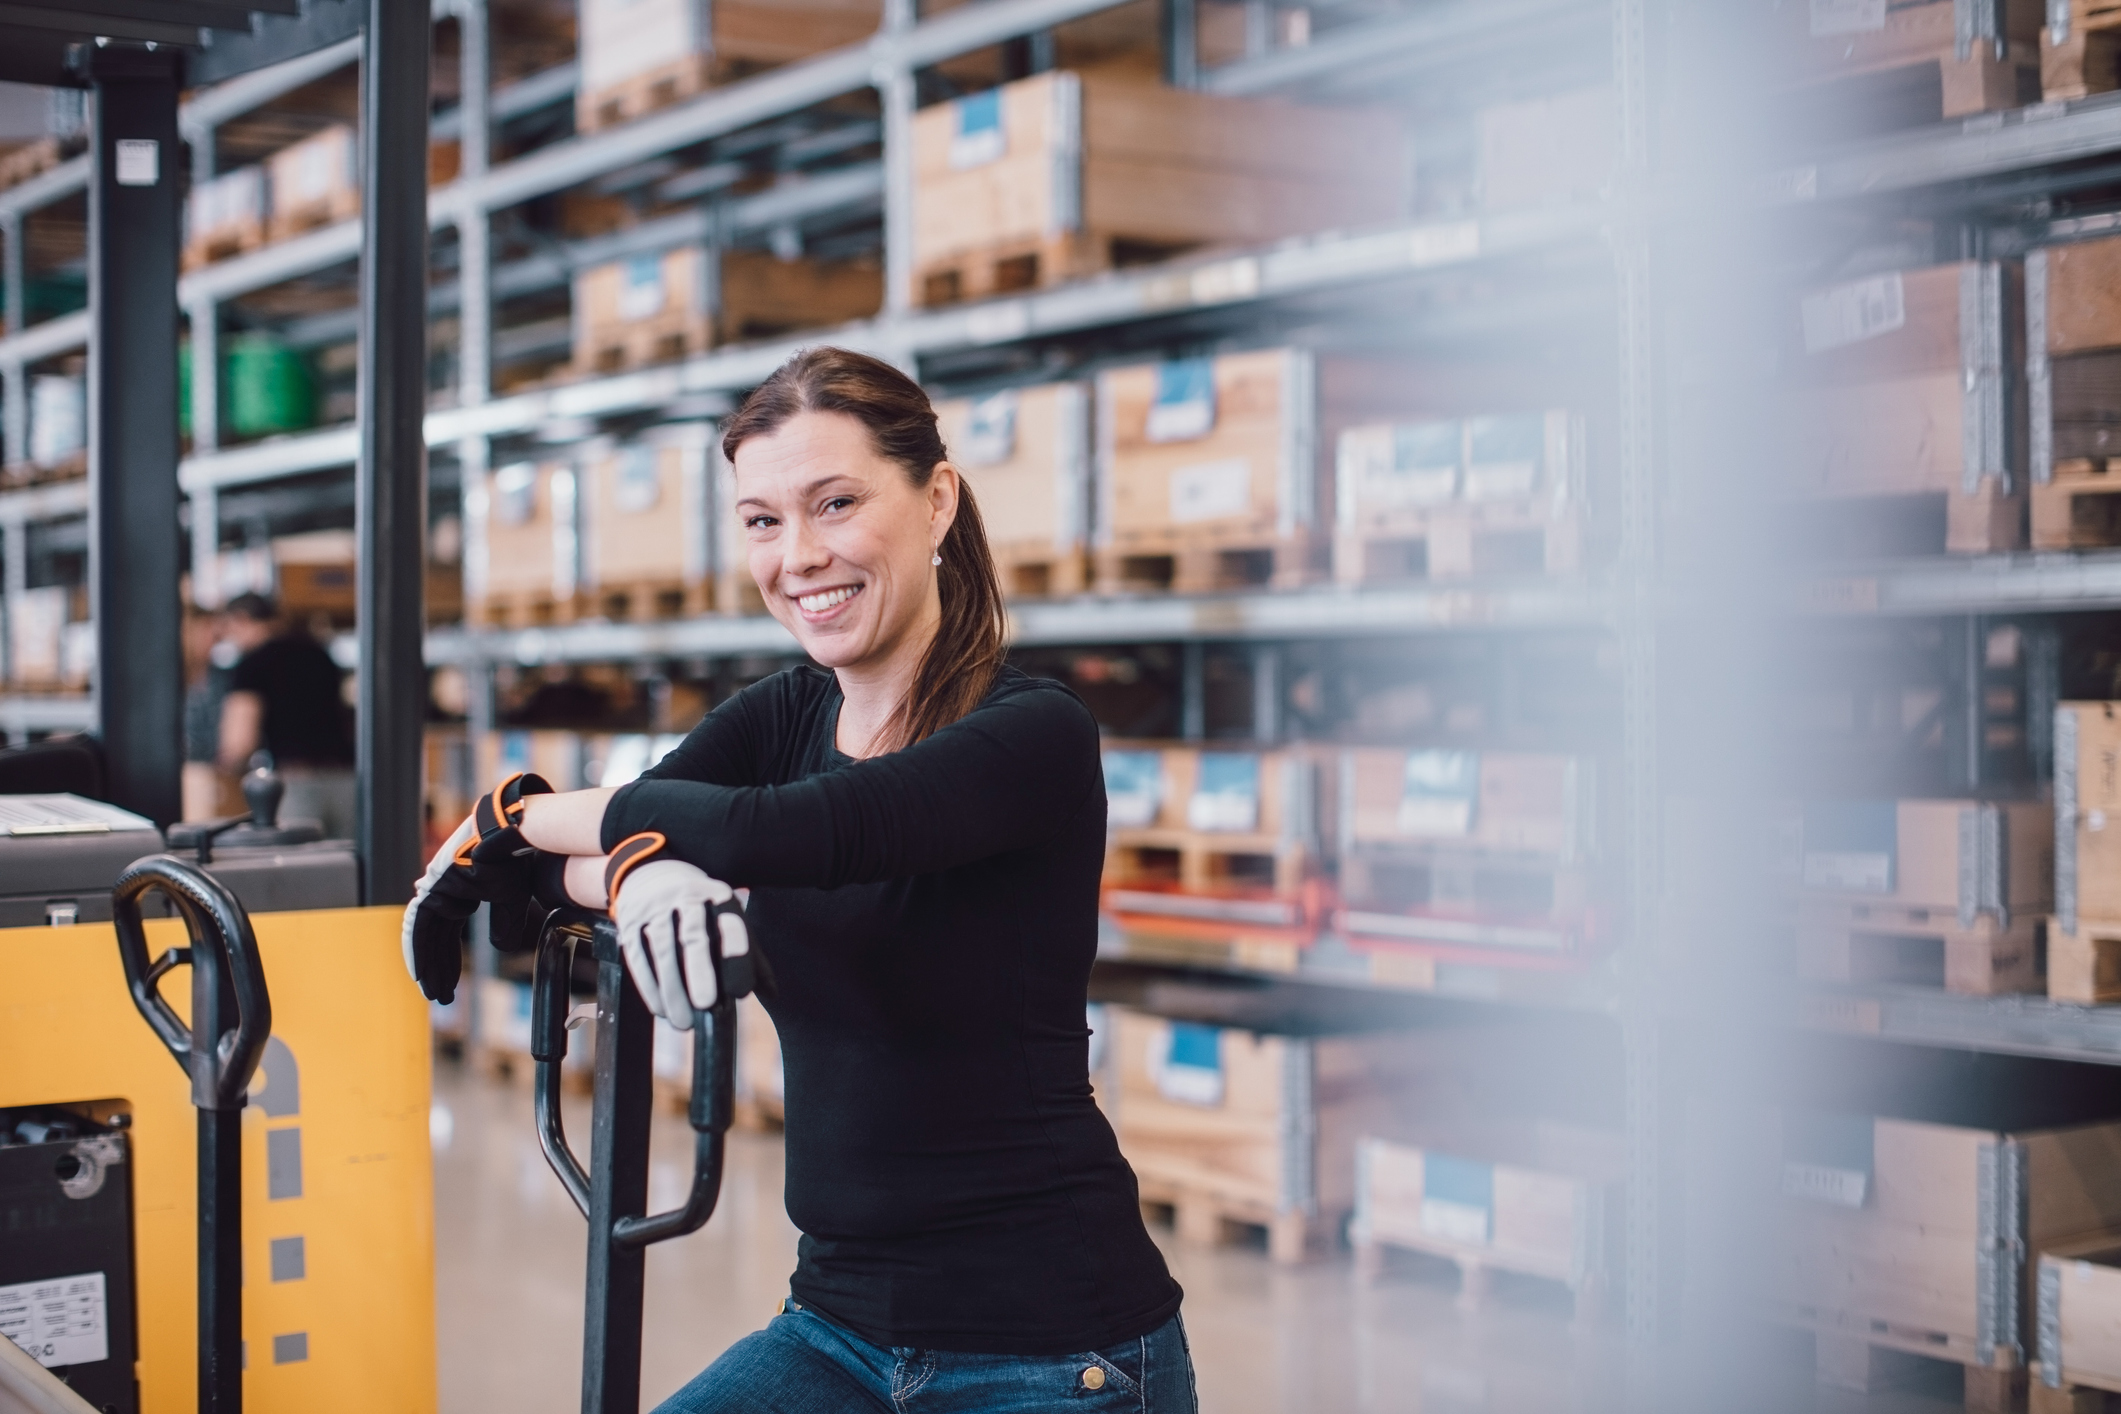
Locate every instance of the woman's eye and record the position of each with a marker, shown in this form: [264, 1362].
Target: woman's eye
[839, 503]
[758, 522]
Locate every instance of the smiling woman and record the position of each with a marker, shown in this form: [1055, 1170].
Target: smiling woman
[867, 543]
[922, 828]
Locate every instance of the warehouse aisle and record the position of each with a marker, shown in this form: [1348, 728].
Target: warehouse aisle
[1266, 1340]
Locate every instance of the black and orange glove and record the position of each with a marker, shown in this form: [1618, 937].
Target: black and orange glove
[486, 860]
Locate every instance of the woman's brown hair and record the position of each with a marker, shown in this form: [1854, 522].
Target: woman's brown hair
[966, 652]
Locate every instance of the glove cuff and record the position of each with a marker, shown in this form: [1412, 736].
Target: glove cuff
[629, 854]
[550, 886]
[502, 807]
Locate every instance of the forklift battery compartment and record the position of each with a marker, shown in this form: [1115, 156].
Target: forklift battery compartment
[66, 1249]
[338, 1205]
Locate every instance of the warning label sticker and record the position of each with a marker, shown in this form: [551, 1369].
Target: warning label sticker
[59, 1321]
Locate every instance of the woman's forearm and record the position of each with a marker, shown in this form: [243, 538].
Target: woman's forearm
[585, 880]
[570, 822]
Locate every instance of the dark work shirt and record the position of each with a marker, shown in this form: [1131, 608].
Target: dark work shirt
[931, 915]
[306, 720]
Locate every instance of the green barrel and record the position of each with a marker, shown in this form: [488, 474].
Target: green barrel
[269, 388]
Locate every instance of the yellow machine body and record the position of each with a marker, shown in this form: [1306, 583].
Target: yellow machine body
[349, 1068]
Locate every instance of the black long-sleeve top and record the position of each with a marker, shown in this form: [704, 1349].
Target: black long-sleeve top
[931, 915]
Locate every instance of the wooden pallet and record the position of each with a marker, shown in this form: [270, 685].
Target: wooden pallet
[1460, 543]
[521, 609]
[1009, 267]
[2087, 59]
[1923, 947]
[1206, 564]
[223, 243]
[1880, 68]
[648, 601]
[508, 1066]
[753, 1114]
[286, 223]
[2064, 1399]
[2085, 966]
[1205, 1219]
[20, 474]
[1041, 571]
[2080, 509]
[1476, 1272]
[32, 159]
[646, 92]
[1205, 863]
[663, 338]
[1868, 1365]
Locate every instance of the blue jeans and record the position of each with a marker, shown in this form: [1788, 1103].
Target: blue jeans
[804, 1364]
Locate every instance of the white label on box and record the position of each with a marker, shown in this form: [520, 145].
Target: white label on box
[1849, 872]
[1849, 314]
[1222, 812]
[641, 293]
[1498, 481]
[58, 1321]
[1847, 16]
[980, 137]
[1820, 1183]
[1454, 1222]
[1211, 490]
[139, 161]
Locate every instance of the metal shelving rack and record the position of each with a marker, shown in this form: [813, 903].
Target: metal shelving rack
[1592, 263]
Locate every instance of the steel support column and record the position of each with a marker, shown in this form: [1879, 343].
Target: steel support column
[895, 90]
[134, 549]
[1181, 26]
[390, 506]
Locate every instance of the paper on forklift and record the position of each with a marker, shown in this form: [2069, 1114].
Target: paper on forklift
[336, 1154]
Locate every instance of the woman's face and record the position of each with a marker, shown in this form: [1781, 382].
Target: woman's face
[839, 540]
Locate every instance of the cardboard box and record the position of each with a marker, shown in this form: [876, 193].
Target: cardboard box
[1479, 1214]
[1905, 383]
[646, 538]
[2087, 820]
[1025, 454]
[522, 544]
[640, 55]
[1069, 172]
[1923, 1237]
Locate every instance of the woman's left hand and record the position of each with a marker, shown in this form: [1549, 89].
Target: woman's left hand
[683, 936]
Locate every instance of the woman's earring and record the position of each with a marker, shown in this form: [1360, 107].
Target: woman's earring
[936, 560]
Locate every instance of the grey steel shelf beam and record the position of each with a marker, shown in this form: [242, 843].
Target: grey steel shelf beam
[797, 198]
[1286, 270]
[1259, 616]
[21, 715]
[770, 95]
[2075, 580]
[1985, 145]
[512, 100]
[214, 106]
[2009, 1025]
[1433, 37]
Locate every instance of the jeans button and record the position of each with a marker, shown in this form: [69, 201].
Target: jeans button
[1094, 1377]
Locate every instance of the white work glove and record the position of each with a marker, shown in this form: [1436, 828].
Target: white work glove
[680, 930]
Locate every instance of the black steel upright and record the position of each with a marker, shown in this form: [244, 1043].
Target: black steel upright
[134, 544]
[390, 512]
[231, 1017]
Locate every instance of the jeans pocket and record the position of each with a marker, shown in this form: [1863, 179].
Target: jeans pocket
[1112, 1375]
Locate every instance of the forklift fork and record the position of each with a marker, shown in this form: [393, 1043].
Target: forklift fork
[613, 1193]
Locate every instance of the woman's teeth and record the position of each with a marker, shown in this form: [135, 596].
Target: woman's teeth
[827, 599]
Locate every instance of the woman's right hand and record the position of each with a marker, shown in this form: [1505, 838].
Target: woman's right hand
[485, 860]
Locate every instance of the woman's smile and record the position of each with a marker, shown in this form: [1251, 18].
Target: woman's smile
[821, 605]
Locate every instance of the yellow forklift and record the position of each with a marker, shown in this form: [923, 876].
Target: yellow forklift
[100, 1136]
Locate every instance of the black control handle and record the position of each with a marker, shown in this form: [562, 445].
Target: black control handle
[713, 1100]
[219, 1051]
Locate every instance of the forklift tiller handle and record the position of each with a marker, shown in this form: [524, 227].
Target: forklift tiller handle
[713, 1081]
[222, 944]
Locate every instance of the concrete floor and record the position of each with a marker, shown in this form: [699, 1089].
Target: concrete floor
[1266, 1339]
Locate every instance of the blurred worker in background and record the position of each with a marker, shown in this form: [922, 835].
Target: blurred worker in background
[287, 697]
